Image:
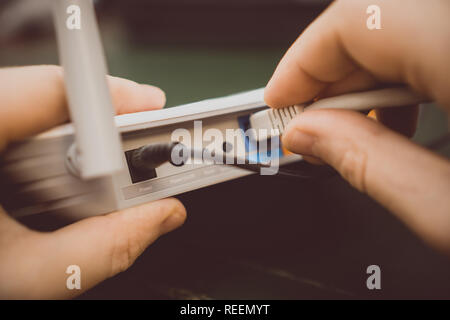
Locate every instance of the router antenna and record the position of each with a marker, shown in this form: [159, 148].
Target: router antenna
[98, 143]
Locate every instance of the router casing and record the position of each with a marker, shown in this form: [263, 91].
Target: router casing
[35, 178]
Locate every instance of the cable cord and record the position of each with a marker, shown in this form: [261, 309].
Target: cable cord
[152, 156]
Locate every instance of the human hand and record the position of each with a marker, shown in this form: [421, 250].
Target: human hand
[33, 264]
[336, 54]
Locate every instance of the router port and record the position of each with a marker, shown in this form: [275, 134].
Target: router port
[138, 175]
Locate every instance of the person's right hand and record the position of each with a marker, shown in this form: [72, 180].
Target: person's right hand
[337, 53]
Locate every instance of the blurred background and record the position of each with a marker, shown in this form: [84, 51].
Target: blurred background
[274, 239]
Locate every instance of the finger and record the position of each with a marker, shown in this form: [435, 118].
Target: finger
[358, 80]
[129, 96]
[403, 120]
[339, 43]
[410, 181]
[301, 74]
[101, 246]
[33, 99]
[400, 119]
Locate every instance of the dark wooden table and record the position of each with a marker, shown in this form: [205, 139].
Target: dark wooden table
[271, 238]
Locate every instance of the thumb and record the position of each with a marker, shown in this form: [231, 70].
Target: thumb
[100, 246]
[106, 245]
[408, 180]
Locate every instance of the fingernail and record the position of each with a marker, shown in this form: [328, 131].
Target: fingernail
[298, 141]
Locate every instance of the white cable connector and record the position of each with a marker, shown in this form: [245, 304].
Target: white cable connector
[269, 121]
[276, 120]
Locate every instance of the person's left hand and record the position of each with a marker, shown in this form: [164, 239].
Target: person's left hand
[33, 264]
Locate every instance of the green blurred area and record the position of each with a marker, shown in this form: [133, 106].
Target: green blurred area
[191, 74]
[186, 74]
